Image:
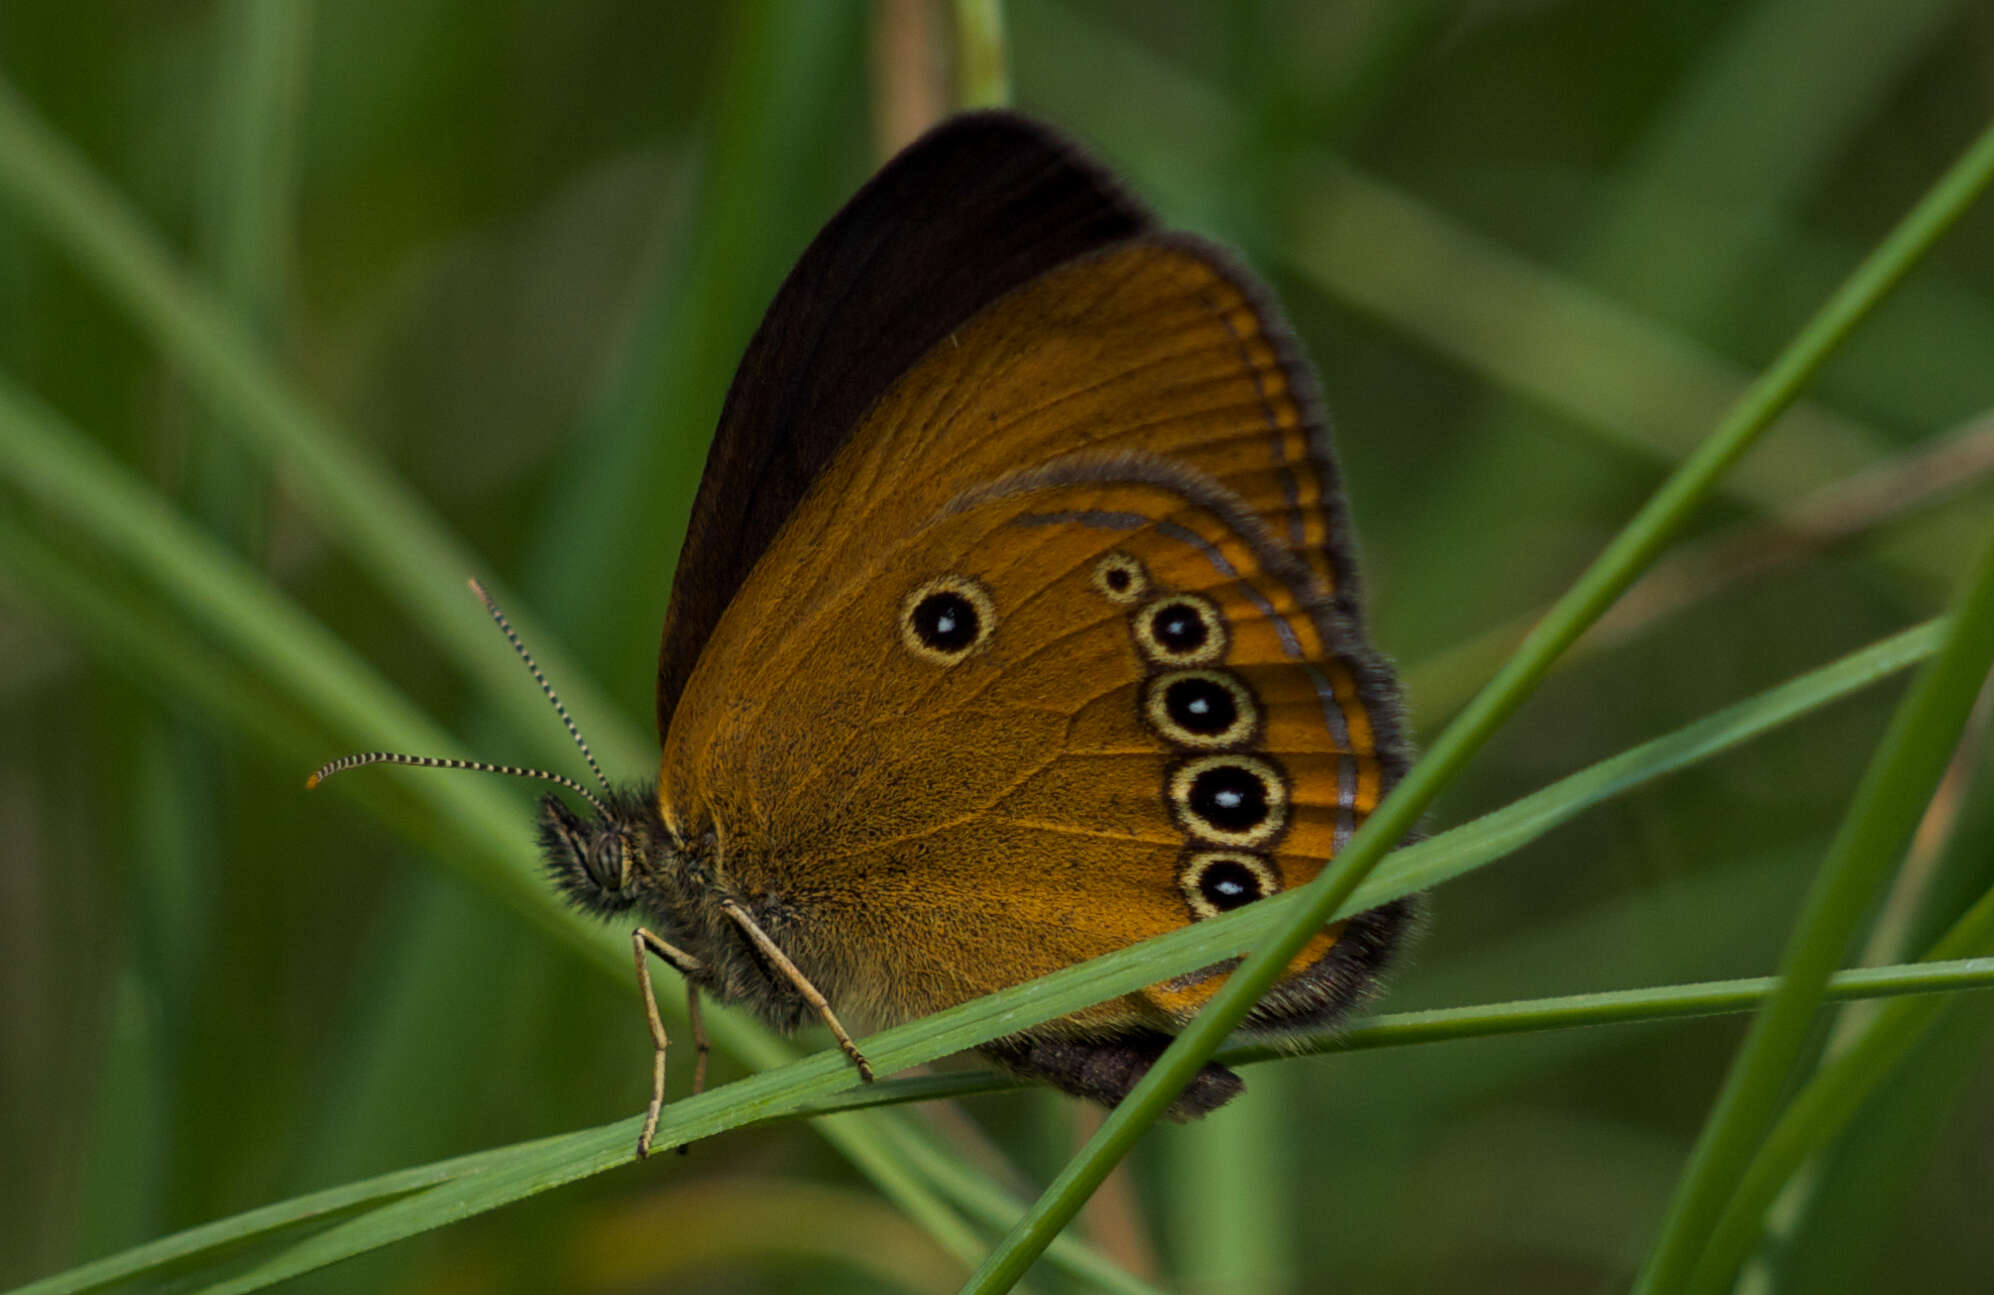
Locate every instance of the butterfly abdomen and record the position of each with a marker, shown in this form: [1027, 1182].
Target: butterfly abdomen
[1105, 1070]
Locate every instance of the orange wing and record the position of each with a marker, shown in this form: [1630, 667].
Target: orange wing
[1160, 710]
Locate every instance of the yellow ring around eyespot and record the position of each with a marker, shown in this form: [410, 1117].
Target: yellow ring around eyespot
[1273, 784]
[1138, 585]
[970, 590]
[1245, 723]
[1157, 653]
[1195, 867]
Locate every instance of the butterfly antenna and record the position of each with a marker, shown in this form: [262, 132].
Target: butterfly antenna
[346, 762]
[540, 679]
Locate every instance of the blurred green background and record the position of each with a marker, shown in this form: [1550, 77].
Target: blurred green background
[513, 252]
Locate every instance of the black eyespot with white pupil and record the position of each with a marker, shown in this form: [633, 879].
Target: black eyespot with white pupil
[1227, 884]
[1237, 800]
[1204, 706]
[1211, 710]
[1179, 628]
[1218, 881]
[946, 619]
[1230, 798]
[1183, 629]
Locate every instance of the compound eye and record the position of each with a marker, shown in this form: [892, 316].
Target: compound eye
[604, 861]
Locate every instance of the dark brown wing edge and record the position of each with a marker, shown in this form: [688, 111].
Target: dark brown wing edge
[980, 205]
[1343, 621]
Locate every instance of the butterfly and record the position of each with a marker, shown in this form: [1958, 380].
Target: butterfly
[1017, 621]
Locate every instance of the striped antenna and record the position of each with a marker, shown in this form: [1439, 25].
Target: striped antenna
[346, 762]
[540, 679]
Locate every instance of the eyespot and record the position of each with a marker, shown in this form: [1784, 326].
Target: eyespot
[1120, 578]
[1210, 710]
[1239, 800]
[1182, 629]
[946, 619]
[1218, 881]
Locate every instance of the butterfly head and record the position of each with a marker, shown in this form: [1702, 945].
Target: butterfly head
[603, 862]
[619, 857]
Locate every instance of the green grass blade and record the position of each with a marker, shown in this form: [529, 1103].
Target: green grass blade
[249, 191]
[1830, 1100]
[560, 1160]
[1447, 855]
[1623, 560]
[1492, 1020]
[1825, 1219]
[1886, 808]
[205, 683]
[182, 1250]
[506, 1173]
[1627, 1006]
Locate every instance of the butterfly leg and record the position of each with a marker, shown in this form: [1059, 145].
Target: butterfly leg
[781, 962]
[700, 1046]
[643, 942]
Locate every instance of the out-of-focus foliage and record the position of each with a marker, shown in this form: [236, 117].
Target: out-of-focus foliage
[514, 251]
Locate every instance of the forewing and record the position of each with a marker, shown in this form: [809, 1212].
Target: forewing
[984, 203]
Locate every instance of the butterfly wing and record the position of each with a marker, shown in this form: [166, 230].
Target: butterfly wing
[980, 205]
[1052, 658]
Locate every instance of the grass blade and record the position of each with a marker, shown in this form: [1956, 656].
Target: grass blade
[1893, 794]
[1830, 1100]
[569, 1155]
